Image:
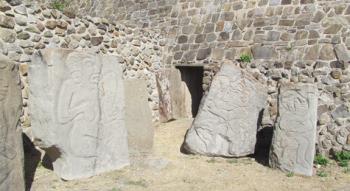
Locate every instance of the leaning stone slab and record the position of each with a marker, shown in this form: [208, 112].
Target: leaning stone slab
[175, 98]
[138, 119]
[11, 147]
[226, 124]
[77, 108]
[294, 138]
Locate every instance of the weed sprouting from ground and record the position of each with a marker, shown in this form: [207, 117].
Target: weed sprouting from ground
[321, 160]
[290, 174]
[322, 174]
[245, 58]
[59, 4]
[342, 158]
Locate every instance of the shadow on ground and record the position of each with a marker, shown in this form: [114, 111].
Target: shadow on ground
[31, 161]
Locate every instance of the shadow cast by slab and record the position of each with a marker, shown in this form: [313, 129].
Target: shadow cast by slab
[32, 159]
[263, 144]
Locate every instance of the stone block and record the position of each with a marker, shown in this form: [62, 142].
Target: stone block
[327, 52]
[226, 123]
[333, 29]
[7, 35]
[11, 147]
[263, 52]
[203, 53]
[78, 111]
[343, 55]
[175, 98]
[7, 22]
[138, 119]
[294, 137]
[182, 39]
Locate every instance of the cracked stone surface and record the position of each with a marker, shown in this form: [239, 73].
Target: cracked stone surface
[226, 124]
[77, 105]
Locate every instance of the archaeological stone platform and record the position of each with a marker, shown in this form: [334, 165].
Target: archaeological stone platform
[78, 111]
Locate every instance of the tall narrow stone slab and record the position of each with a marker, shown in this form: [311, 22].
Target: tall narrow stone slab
[138, 119]
[226, 124]
[294, 139]
[11, 147]
[78, 111]
[175, 100]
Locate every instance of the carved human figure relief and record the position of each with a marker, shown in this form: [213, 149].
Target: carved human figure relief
[11, 148]
[293, 145]
[81, 114]
[226, 124]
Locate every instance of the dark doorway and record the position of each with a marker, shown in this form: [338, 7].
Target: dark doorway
[193, 77]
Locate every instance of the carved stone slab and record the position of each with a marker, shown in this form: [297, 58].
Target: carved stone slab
[293, 143]
[175, 98]
[11, 147]
[226, 124]
[138, 119]
[78, 111]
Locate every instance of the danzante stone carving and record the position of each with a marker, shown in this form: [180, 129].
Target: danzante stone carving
[11, 148]
[293, 143]
[77, 106]
[226, 124]
[138, 119]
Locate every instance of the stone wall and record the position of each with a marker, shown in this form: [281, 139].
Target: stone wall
[296, 41]
[289, 40]
[27, 27]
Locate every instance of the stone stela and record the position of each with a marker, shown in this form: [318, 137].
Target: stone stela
[11, 148]
[293, 143]
[77, 105]
[227, 121]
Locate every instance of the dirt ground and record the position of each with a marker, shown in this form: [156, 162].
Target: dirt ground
[170, 170]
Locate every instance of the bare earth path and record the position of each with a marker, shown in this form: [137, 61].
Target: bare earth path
[170, 170]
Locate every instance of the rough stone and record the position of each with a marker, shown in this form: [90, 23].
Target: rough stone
[326, 52]
[48, 34]
[263, 52]
[14, 2]
[294, 138]
[7, 35]
[333, 29]
[21, 20]
[4, 6]
[77, 109]
[182, 39]
[342, 54]
[7, 22]
[51, 24]
[11, 148]
[23, 35]
[21, 10]
[226, 124]
[203, 53]
[138, 119]
[96, 40]
[341, 111]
